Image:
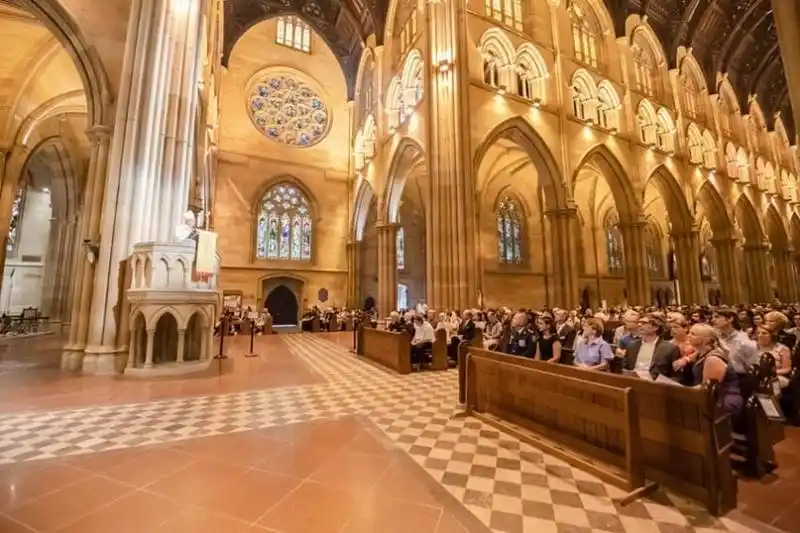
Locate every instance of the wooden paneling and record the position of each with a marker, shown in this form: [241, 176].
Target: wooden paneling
[392, 350]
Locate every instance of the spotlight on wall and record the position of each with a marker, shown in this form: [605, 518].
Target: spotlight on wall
[537, 102]
[444, 65]
[590, 122]
[501, 90]
[613, 131]
[392, 130]
[45, 190]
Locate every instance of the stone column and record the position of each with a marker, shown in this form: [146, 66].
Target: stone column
[13, 163]
[728, 270]
[387, 269]
[687, 254]
[51, 269]
[148, 358]
[784, 274]
[152, 156]
[452, 268]
[787, 23]
[66, 285]
[90, 219]
[756, 257]
[353, 273]
[563, 225]
[181, 345]
[637, 274]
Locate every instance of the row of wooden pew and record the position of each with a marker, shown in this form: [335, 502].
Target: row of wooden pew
[334, 325]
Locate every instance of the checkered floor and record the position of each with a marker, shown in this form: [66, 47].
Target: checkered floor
[508, 485]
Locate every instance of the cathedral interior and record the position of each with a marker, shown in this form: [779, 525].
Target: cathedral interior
[352, 154]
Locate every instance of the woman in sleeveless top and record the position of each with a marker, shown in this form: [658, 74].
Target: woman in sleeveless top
[548, 345]
[768, 343]
[711, 364]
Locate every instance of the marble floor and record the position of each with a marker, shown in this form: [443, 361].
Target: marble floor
[304, 438]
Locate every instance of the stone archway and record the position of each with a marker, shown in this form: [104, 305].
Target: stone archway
[757, 259]
[282, 305]
[785, 282]
[711, 206]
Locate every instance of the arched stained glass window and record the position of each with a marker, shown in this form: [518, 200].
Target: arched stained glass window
[585, 35]
[401, 248]
[509, 232]
[284, 225]
[402, 296]
[16, 220]
[653, 252]
[614, 248]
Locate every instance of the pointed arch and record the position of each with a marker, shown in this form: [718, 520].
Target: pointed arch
[693, 87]
[364, 196]
[694, 142]
[510, 224]
[748, 219]
[365, 85]
[608, 106]
[284, 214]
[665, 130]
[715, 210]
[648, 60]
[531, 73]
[794, 231]
[590, 22]
[678, 211]
[496, 42]
[606, 163]
[646, 122]
[709, 150]
[584, 95]
[776, 229]
[520, 131]
[408, 156]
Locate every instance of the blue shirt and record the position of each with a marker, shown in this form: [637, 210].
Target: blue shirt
[593, 352]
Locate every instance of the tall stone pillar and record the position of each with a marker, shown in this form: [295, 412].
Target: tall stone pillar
[152, 156]
[756, 258]
[563, 225]
[100, 136]
[387, 269]
[637, 274]
[784, 273]
[787, 23]
[452, 269]
[353, 273]
[13, 163]
[730, 279]
[687, 254]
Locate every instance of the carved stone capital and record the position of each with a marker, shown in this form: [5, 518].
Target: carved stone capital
[99, 134]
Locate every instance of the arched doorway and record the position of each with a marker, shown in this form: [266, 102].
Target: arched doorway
[282, 305]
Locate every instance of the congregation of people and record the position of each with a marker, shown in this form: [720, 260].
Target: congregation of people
[679, 345]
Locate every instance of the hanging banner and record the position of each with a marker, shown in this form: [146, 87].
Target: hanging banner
[205, 254]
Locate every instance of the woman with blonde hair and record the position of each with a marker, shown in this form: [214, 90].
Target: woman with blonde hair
[711, 363]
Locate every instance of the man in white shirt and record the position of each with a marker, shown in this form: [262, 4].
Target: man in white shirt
[422, 341]
[649, 355]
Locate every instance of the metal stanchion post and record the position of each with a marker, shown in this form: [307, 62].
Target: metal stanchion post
[252, 352]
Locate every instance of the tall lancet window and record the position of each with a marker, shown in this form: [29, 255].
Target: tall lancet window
[509, 232]
[652, 247]
[402, 296]
[613, 246]
[285, 228]
[401, 248]
[294, 33]
[16, 220]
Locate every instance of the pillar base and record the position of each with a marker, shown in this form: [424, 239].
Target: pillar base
[72, 360]
[104, 361]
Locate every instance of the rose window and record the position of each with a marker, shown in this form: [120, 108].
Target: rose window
[288, 111]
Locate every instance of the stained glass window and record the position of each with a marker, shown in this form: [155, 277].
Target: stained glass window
[287, 110]
[509, 232]
[653, 252]
[284, 225]
[294, 33]
[508, 12]
[614, 249]
[584, 35]
[401, 248]
[16, 219]
[402, 296]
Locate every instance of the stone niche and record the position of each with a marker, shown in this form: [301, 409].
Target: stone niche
[171, 315]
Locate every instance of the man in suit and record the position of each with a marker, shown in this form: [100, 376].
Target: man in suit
[566, 333]
[650, 354]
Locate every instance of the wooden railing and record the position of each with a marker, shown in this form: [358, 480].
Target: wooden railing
[389, 349]
[620, 428]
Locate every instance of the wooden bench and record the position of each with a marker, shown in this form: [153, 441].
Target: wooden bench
[439, 355]
[463, 348]
[348, 323]
[388, 349]
[683, 438]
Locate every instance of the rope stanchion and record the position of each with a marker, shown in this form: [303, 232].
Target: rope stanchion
[252, 352]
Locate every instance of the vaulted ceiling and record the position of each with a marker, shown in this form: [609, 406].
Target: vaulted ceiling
[734, 37]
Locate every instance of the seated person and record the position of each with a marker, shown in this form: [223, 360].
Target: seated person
[711, 363]
[467, 330]
[767, 341]
[522, 339]
[548, 344]
[492, 333]
[593, 352]
[650, 355]
[422, 341]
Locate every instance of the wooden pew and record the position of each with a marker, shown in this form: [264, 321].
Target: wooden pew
[268, 325]
[348, 323]
[683, 438]
[333, 325]
[315, 327]
[439, 360]
[463, 348]
[389, 349]
[360, 337]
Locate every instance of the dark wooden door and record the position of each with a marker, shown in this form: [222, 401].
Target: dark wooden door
[282, 305]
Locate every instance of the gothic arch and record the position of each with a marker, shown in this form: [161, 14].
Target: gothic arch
[680, 216]
[255, 211]
[606, 163]
[747, 217]
[497, 42]
[715, 210]
[519, 131]
[255, 201]
[95, 82]
[408, 157]
[364, 197]
[776, 229]
[794, 232]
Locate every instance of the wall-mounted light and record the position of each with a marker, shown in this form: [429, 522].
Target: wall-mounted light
[613, 131]
[537, 102]
[501, 90]
[444, 65]
[392, 130]
[590, 122]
